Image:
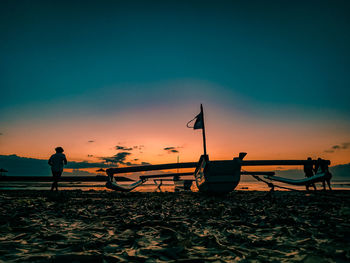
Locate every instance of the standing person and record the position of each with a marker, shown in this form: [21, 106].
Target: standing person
[322, 167]
[56, 162]
[308, 170]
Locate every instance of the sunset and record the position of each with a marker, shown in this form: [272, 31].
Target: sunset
[132, 73]
[115, 83]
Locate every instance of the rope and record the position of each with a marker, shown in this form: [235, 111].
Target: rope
[191, 121]
[272, 186]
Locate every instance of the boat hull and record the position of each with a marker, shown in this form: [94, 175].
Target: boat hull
[217, 176]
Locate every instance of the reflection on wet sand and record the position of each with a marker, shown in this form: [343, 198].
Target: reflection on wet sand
[107, 227]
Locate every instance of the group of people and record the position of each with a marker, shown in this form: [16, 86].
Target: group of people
[321, 166]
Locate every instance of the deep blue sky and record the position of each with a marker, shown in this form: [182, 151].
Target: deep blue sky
[273, 76]
[267, 52]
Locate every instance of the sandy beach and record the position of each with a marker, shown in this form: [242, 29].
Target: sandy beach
[246, 226]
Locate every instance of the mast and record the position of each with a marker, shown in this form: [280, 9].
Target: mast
[178, 160]
[203, 132]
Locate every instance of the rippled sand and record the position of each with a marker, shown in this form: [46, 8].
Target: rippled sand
[96, 226]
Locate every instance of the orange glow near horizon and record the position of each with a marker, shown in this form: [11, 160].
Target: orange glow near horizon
[228, 133]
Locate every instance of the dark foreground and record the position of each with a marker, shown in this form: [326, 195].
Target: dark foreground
[187, 227]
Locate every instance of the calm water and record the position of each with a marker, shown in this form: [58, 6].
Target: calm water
[150, 187]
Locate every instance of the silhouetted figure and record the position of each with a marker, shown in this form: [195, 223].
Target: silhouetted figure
[56, 162]
[322, 167]
[308, 170]
[317, 165]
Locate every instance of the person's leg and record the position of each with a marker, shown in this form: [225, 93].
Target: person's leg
[314, 186]
[324, 184]
[56, 176]
[329, 184]
[57, 179]
[53, 180]
[54, 184]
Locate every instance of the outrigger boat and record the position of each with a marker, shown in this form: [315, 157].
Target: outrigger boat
[220, 176]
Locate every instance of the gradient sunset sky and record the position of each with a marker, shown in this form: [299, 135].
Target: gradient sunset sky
[273, 77]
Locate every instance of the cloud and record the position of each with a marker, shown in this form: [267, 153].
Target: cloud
[91, 141]
[90, 155]
[118, 147]
[23, 166]
[168, 148]
[342, 146]
[116, 159]
[171, 149]
[1, 133]
[345, 145]
[139, 147]
[17, 165]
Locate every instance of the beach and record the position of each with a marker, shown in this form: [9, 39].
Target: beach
[244, 226]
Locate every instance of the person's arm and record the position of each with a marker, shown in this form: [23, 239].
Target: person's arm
[65, 160]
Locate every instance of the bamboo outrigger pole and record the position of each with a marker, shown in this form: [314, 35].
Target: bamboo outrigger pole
[203, 132]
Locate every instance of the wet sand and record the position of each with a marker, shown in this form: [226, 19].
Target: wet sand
[247, 226]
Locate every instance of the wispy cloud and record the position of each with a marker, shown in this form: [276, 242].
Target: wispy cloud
[139, 147]
[116, 159]
[342, 146]
[123, 148]
[171, 149]
[121, 158]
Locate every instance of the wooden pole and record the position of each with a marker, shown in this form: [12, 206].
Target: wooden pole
[279, 162]
[203, 132]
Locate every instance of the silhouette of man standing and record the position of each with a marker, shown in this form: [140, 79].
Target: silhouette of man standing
[56, 162]
[308, 170]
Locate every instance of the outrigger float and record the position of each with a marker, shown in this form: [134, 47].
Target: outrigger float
[222, 176]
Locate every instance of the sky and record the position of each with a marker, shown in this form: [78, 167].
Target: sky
[119, 80]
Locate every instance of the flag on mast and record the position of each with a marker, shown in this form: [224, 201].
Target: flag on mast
[199, 122]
